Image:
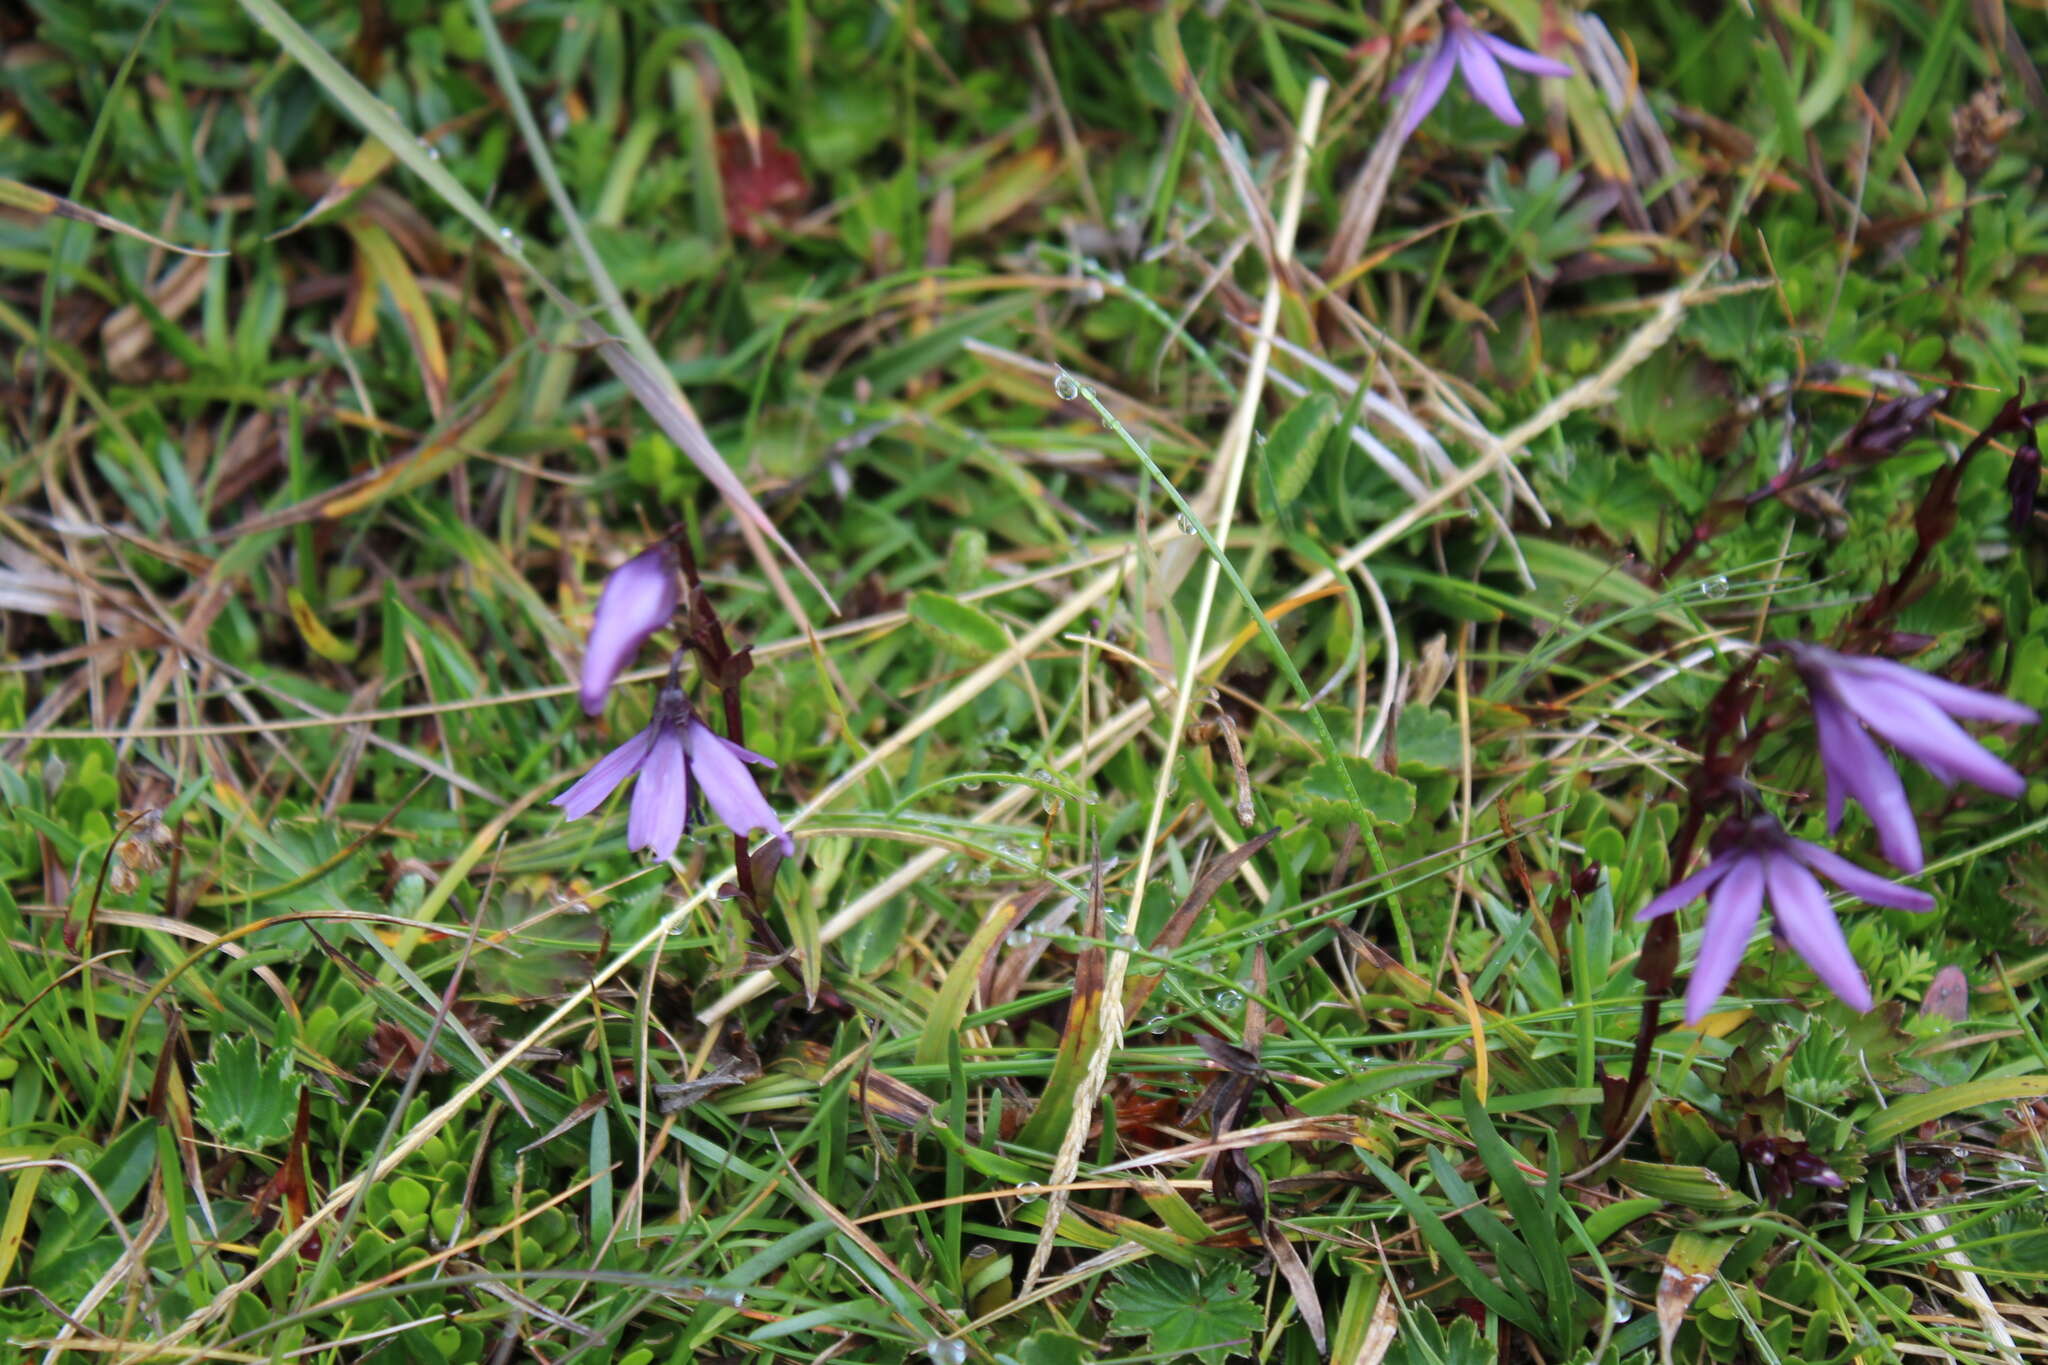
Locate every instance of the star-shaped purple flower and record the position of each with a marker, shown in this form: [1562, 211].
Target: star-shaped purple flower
[638, 599]
[1754, 860]
[1479, 56]
[678, 758]
[1915, 713]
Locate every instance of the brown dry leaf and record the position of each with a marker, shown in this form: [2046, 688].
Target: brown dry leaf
[1688, 1268]
[371, 160]
[42, 204]
[128, 340]
[380, 262]
[1948, 995]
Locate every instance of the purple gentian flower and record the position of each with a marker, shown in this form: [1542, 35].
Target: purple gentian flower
[1479, 55]
[678, 758]
[1916, 714]
[638, 599]
[1755, 859]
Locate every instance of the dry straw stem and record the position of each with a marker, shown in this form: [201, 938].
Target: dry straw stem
[1231, 458]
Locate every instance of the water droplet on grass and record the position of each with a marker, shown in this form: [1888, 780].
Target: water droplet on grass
[1716, 587]
[981, 875]
[947, 1351]
[1064, 387]
[509, 240]
[1186, 524]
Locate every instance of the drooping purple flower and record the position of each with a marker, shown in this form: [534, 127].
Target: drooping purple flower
[1479, 56]
[1756, 860]
[1916, 714]
[678, 759]
[638, 599]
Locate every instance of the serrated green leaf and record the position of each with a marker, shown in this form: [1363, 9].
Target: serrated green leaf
[1296, 444]
[245, 1098]
[958, 625]
[1208, 1313]
[1388, 799]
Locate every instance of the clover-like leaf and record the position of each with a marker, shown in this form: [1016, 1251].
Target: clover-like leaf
[245, 1098]
[1388, 799]
[1208, 1314]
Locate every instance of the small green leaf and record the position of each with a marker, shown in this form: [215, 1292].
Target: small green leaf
[1054, 1348]
[1296, 444]
[1207, 1313]
[1909, 1113]
[244, 1098]
[1388, 799]
[958, 626]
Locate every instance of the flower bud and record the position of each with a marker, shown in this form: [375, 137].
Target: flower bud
[638, 599]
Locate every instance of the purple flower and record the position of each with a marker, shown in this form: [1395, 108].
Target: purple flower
[1916, 714]
[1479, 56]
[1755, 859]
[678, 759]
[638, 599]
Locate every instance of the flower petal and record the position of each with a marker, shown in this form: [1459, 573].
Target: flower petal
[1688, 889]
[1436, 78]
[604, 776]
[1964, 703]
[1856, 767]
[1731, 916]
[1521, 58]
[1800, 909]
[1484, 79]
[638, 599]
[661, 802]
[721, 772]
[1858, 882]
[1919, 729]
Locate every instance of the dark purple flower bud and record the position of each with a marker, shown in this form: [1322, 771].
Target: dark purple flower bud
[676, 757]
[1916, 714]
[2023, 483]
[1880, 432]
[1478, 57]
[1756, 860]
[638, 599]
[1808, 1169]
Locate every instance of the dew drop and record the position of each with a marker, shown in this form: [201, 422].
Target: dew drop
[1027, 1194]
[1186, 523]
[729, 1298]
[1715, 587]
[1156, 1025]
[951, 869]
[947, 1351]
[1064, 387]
[972, 784]
[509, 239]
[999, 735]
[1050, 802]
[1226, 1002]
[1020, 937]
[1623, 1311]
[433, 152]
[981, 875]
